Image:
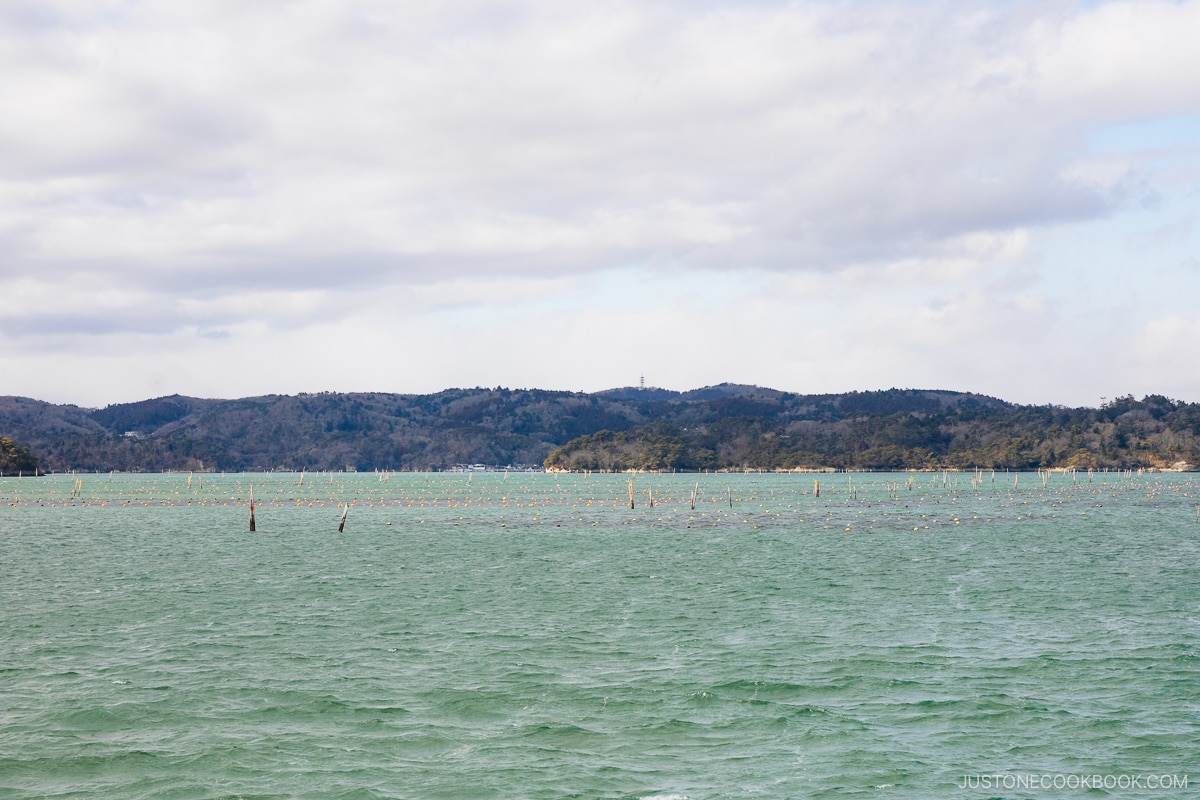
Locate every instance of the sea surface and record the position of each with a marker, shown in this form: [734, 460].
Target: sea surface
[519, 635]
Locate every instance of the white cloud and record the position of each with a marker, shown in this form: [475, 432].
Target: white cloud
[176, 168]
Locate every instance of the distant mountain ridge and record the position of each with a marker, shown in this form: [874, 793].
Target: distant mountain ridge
[727, 426]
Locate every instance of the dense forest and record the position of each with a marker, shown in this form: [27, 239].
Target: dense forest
[1154, 432]
[726, 427]
[15, 460]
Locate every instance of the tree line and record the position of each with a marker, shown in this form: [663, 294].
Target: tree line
[14, 459]
[720, 427]
[1154, 432]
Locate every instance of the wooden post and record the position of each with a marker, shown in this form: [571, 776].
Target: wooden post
[342, 523]
[252, 508]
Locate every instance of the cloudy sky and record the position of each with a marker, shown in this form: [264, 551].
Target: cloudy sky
[225, 198]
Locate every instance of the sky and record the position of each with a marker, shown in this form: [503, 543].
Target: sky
[226, 199]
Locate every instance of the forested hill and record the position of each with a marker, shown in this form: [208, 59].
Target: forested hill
[718, 427]
[15, 460]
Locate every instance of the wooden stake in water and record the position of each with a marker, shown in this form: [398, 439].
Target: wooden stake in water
[252, 508]
[817, 488]
[695, 492]
[631, 492]
[342, 523]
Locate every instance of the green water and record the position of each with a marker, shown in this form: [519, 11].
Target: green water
[531, 636]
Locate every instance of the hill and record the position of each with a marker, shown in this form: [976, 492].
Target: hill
[718, 427]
